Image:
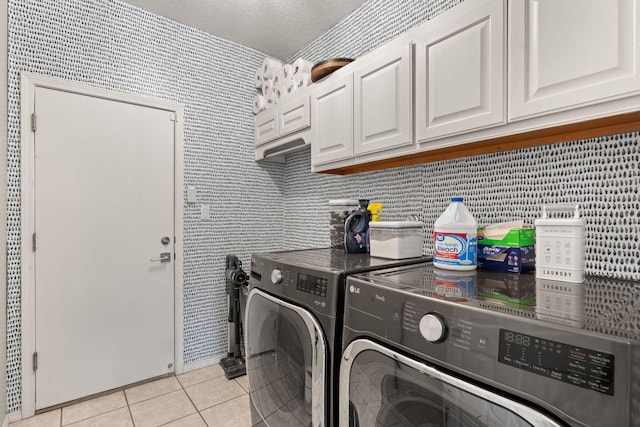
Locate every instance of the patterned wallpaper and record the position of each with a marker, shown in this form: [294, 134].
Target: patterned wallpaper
[601, 174]
[258, 207]
[112, 45]
[3, 209]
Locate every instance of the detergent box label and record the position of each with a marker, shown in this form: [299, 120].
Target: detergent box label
[511, 252]
[507, 259]
[454, 248]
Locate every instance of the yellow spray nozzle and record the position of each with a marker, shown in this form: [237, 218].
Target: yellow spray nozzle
[375, 209]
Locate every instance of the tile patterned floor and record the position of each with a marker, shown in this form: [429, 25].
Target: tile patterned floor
[200, 398]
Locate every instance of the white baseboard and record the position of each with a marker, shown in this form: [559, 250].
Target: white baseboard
[203, 363]
[12, 417]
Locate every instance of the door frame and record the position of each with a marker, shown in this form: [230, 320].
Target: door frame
[29, 83]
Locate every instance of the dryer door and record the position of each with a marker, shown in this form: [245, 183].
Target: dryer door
[381, 388]
[286, 357]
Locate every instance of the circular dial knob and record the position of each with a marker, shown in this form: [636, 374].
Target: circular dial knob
[433, 327]
[276, 276]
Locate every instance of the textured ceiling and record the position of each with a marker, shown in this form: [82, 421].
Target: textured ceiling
[278, 28]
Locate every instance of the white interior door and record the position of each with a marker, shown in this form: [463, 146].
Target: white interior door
[104, 203]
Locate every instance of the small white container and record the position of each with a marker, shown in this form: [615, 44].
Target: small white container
[395, 239]
[560, 245]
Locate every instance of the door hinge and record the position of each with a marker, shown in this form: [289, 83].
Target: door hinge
[33, 241]
[35, 361]
[173, 117]
[33, 122]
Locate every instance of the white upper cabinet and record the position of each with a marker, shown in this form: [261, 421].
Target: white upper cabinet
[364, 110]
[283, 128]
[283, 119]
[482, 72]
[293, 115]
[266, 126]
[332, 119]
[461, 70]
[382, 101]
[569, 53]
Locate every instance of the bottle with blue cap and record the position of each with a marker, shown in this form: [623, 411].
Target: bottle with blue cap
[455, 238]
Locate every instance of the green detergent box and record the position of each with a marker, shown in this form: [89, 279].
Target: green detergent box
[507, 250]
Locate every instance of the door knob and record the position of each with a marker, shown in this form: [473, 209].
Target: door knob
[164, 257]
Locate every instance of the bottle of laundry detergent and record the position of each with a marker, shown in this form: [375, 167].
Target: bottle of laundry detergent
[455, 238]
[356, 230]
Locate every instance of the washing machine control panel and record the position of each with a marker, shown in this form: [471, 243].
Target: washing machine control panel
[571, 364]
[311, 284]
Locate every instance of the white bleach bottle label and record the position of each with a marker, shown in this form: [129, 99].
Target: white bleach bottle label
[455, 238]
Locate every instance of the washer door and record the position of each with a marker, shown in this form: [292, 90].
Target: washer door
[380, 388]
[286, 357]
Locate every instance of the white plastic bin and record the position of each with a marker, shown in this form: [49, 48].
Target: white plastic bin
[560, 245]
[395, 239]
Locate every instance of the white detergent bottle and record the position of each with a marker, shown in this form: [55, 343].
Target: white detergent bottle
[455, 238]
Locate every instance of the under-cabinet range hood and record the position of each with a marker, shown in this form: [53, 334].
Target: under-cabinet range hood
[277, 150]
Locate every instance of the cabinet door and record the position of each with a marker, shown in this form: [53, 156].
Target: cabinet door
[382, 100]
[293, 115]
[568, 53]
[460, 70]
[266, 125]
[332, 119]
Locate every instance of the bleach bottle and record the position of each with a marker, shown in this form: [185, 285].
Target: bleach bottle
[455, 238]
